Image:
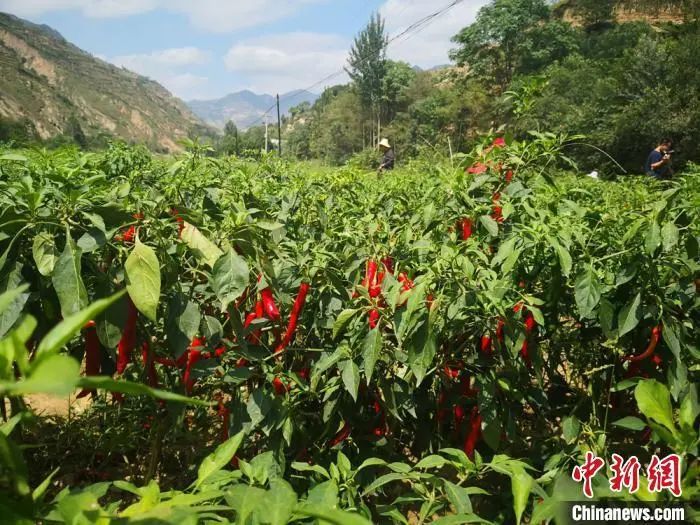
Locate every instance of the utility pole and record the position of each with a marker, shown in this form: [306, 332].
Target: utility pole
[279, 128]
[266, 148]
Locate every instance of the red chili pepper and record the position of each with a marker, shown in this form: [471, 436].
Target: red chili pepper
[180, 221]
[220, 351]
[518, 306]
[341, 435]
[374, 318]
[473, 433]
[496, 197]
[655, 335]
[466, 225]
[241, 362]
[128, 339]
[451, 372]
[271, 311]
[407, 283]
[194, 355]
[509, 176]
[388, 263]
[525, 353]
[280, 387]
[304, 373]
[129, 234]
[149, 364]
[499, 330]
[497, 214]
[486, 346]
[92, 355]
[370, 274]
[299, 303]
[530, 323]
[459, 414]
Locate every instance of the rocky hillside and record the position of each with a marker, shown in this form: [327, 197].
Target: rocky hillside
[245, 107]
[650, 11]
[53, 85]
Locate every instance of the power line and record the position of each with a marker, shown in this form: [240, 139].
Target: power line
[412, 30]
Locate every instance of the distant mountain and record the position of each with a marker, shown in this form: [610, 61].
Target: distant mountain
[245, 107]
[51, 85]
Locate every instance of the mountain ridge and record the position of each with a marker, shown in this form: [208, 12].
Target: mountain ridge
[54, 86]
[245, 107]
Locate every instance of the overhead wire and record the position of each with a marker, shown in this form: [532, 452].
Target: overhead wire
[413, 29]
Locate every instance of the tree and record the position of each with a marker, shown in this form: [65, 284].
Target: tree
[229, 142]
[489, 45]
[367, 66]
[395, 83]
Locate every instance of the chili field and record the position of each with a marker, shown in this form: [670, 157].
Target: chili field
[273, 342]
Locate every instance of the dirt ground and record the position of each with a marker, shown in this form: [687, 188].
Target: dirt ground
[52, 406]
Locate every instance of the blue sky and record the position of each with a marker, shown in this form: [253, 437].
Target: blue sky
[207, 48]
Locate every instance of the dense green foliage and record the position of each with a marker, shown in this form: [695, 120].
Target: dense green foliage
[368, 414]
[624, 86]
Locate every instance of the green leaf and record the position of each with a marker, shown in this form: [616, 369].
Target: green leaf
[342, 321]
[629, 316]
[44, 253]
[431, 461]
[351, 377]
[280, 501]
[40, 490]
[182, 323]
[67, 281]
[247, 501]
[521, 484]
[490, 224]
[669, 236]
[652, 241]
[371, 349]
[459, 519]
[64, 331]
[383, 480]
[143, 279]
[12, 300]
[587, 292]
[324, 494]
[330, 515]
[630, 423]
[219, 458]
[654, 401]
[422, 348]
[458, 497]
[136, 389]
[229, 277]
[690, 409]
[564, 259]
[203, 248]
[56, 375]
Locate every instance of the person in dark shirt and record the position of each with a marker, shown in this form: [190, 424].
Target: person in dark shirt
[659, 161]
[388, 158]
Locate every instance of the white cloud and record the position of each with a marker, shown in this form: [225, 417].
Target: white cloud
[166, 67]
[430, 46]
[91, 8]
[288, 61]
[210, 15]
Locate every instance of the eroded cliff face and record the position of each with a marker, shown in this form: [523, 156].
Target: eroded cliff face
[649, 11]
[50, 82]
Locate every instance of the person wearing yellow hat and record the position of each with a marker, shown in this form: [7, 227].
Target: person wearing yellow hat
[388, 158]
